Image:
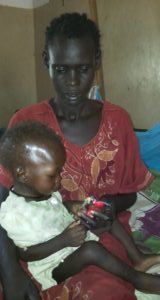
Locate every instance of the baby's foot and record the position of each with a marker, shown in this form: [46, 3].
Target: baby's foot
[148, 283]
[147, 261]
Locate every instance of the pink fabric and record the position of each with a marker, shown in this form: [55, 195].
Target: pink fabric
[108, 164]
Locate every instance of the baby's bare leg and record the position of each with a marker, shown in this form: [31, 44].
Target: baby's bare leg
[141, 261]
[93, 253]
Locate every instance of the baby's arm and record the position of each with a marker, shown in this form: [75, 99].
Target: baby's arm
[77, 208]
[72, 236]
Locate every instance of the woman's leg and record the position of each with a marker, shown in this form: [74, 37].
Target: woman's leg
[93, 253]
[141, 261]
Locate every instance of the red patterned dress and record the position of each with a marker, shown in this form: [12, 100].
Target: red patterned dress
[108, 164]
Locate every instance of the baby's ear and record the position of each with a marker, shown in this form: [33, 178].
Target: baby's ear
[21, 174]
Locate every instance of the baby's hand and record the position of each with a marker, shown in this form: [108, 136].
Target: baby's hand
[74, 235]
[76, 210]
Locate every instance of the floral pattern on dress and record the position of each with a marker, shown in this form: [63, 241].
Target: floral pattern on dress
[93, 165]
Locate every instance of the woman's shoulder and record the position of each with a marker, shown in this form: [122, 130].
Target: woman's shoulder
[108, 106]
[35, 108]
[34, 111]
[110, 110]
[115, 111]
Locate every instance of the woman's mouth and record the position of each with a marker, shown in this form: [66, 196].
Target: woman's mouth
[72, 96]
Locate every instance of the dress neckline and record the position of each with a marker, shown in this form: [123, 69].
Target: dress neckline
[29, 199]
[62, 134]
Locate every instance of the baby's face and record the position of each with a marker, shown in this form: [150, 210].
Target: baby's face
[43, 168]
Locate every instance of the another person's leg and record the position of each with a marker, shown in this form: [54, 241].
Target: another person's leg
[93, 253]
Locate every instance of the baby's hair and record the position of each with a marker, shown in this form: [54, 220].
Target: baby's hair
[12, 143]
[72, 25]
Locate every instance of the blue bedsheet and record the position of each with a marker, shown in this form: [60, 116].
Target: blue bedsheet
[150, 147]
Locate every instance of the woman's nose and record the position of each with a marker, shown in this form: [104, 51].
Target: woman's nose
[73, 77]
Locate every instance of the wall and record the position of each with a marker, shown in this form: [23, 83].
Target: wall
[131, 56]
[130, 44]
[17, 63]
[42, 17]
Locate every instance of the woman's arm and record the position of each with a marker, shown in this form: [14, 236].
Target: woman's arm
[122, 201]
[8, 255]
[17, 285]
[73, 206]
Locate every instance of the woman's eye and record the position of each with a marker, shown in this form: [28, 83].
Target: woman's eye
[83, 69]
[60, 69]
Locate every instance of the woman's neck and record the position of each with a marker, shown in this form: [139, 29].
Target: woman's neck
[70, 113]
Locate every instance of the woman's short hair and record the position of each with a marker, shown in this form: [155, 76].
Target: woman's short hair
[72, 25]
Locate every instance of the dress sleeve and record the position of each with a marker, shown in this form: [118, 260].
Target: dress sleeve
[136, 176]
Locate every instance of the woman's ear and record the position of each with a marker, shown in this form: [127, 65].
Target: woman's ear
[21, 174]
[50, 70]
[98, 60]
[47, 62]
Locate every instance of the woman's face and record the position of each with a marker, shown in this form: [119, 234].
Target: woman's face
[72, 66]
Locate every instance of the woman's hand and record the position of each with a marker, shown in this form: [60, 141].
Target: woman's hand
[77, 209]
[74, 235]
[20, 287]
[74, 207]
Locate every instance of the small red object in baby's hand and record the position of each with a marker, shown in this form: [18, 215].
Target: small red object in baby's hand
[96, 211]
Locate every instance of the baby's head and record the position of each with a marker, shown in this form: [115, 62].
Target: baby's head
[34, 155]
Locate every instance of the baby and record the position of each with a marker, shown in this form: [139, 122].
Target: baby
[45, 233]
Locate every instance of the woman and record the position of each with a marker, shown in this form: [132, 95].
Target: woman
[102, 155]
